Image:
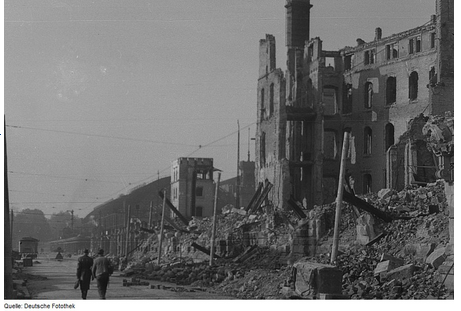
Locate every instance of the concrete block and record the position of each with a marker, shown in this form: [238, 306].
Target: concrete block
[400, 273]
[437, 257]
[313, 278]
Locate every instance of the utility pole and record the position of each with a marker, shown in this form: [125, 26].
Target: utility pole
[213, 232]
[8, 265]
[127, 233]
[162, 224]
[249, 144]
[237, 190]
[150, 214]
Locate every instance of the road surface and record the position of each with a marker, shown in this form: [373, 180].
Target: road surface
[61, 279]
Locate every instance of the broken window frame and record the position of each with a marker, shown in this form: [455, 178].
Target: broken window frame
[369, 57]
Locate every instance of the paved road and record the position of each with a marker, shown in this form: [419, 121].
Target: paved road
[61, 279]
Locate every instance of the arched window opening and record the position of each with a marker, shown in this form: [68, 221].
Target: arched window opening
[367, 140]
[389, 135]
[413, 86]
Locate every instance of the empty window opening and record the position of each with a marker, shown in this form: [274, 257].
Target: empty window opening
[418, 44]
[432, 40]
[392, 51]
[432, 77]
[389, 137]
[411, 46]
[271, 99]
[347, 102]
[366, 59]
[262, 100]
[367, 183]
[262, 149]
[199, 191]
[330, 62]
[413, 86]
[367, 140]
[348, 62]
[368, 95]
[391, 90]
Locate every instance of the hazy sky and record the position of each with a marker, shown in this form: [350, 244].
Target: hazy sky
[101, 95]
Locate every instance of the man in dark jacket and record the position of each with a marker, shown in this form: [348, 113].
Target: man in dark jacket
[102, 269]
[84, 272]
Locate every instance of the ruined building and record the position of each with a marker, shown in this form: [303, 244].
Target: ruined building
[192, 186]
[372, 90]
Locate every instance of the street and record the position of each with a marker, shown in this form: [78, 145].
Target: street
[61, 279]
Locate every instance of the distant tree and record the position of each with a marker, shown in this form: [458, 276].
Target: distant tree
[30, 223]
[64, 225]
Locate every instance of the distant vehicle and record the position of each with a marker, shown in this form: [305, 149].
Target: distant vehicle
[28, 247]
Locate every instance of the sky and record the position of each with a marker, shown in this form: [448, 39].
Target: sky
[101, 96]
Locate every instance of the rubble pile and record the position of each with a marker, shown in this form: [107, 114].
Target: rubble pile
[402, 263]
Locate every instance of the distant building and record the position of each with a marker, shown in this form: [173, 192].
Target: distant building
[192, 186]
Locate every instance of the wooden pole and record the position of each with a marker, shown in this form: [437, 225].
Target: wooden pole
[128, 224]
[237, 186]
[213, 232]
[150, 214]
[339, 198]
[162, 225]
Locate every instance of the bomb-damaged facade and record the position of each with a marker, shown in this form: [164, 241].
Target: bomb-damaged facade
[373, 90]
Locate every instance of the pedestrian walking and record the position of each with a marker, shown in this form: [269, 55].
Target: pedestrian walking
[84, 273]
[102, 269]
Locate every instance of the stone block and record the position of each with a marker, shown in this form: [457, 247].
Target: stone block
[437, 257]
[400, 273]
[385, 266]
[314, 278]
